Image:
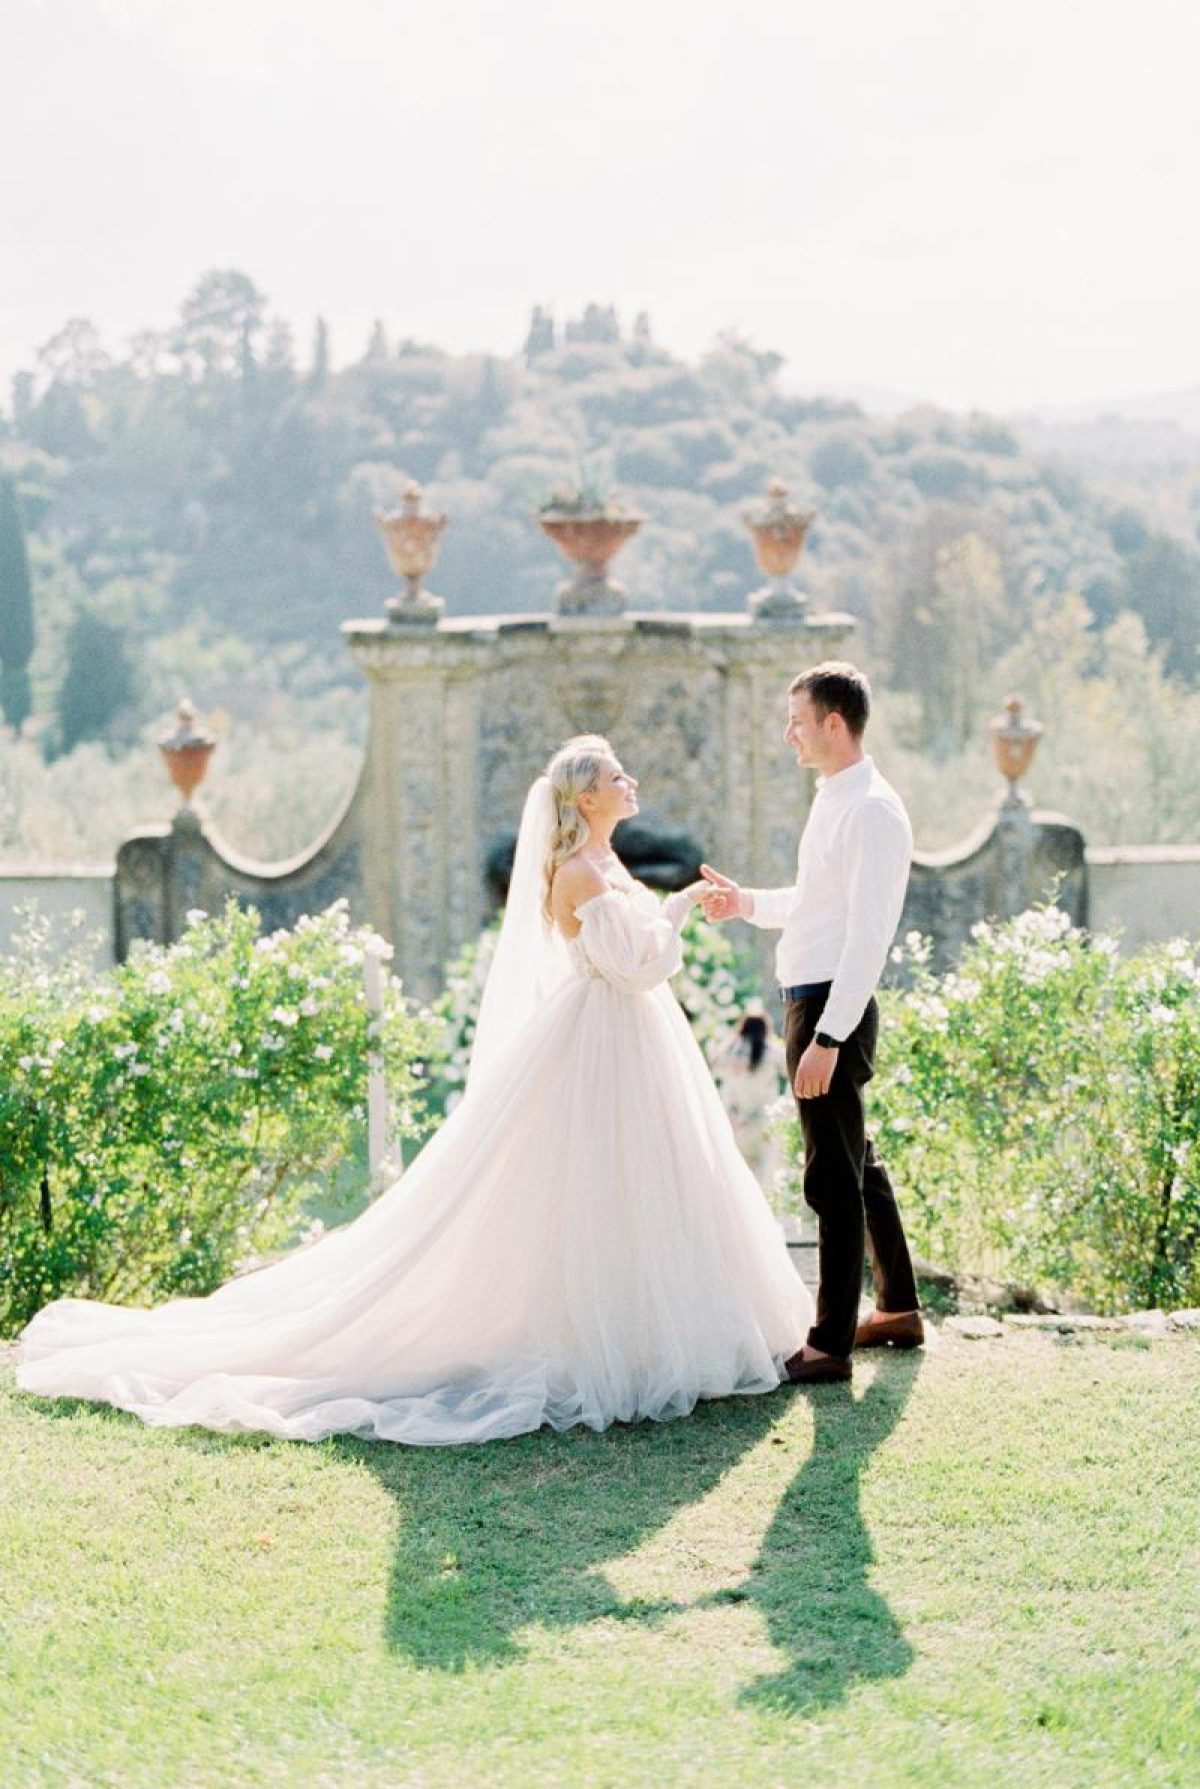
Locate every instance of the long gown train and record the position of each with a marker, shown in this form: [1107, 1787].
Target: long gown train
[581, 1242]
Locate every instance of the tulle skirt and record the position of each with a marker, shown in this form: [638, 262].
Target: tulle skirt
[581, 1242]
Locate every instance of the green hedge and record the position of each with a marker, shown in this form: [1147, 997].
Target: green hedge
[1039, 1110]
[162, 1124]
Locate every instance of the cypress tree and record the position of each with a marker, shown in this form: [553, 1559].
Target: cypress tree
[98, 681]
[16, 611]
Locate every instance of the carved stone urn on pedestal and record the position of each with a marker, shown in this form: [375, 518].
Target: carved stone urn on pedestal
[1014, 743]
[186, 752]
[778, 530]
[411, 536]
[590, 532]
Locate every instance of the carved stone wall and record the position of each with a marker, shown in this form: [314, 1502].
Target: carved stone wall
[1015, 859]
[163, 871]
[465, 715]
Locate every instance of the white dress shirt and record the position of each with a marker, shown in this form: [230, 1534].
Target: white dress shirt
[837, 920]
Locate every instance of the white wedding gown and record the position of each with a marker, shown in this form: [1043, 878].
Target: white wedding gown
[581, 1242]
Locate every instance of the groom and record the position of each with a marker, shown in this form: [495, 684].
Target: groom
[836, 923]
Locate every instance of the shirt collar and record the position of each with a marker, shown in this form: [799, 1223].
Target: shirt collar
[845, 782]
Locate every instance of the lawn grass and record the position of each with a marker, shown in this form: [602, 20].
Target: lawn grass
[978, 1566]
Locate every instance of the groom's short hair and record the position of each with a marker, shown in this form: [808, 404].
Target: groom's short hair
[836, 687]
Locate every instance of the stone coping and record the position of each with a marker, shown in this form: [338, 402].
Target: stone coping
[1144, 1323]
[1115, 854]
[54, 869]
[632, 621]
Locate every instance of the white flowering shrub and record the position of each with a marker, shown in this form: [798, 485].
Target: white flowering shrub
[1039, 1111]
[163, 1123]
[712, 986]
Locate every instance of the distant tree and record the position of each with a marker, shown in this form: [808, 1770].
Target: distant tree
[220, 322]
[941, 615]
[377, 345]
[941, 475]
[22, 400]
[98, 682]
[598, 325]
[1162, 585]
[279, 357]
[146, 352]
[987, 435]
[840, 460]
[1128, 530]
[16, 611]
[541, 336]
[318, 372]
[1104, 596]
[74, 356]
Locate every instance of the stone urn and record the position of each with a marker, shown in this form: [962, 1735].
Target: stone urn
[411, 535]
[778, 530]
[1014, 743]
[590, 539]
[186, 751]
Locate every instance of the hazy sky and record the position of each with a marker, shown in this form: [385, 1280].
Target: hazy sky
[994, 205]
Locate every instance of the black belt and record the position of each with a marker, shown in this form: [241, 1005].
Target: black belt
[806, 990]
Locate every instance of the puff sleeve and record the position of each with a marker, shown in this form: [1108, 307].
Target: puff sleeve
[629, 948]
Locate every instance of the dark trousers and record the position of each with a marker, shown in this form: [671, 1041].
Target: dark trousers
[847, 1185]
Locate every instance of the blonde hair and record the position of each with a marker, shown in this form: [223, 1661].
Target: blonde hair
[573, 771]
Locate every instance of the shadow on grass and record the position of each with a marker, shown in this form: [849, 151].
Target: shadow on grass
[496, 1539]
[810, 1581]
[499, 1538]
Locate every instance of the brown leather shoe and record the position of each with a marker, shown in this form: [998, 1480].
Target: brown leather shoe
[798, 1371]
[901, 1332]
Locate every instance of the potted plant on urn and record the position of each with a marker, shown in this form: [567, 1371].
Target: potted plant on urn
[589, 523]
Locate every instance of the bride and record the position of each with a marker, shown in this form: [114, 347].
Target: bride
[581, 1242]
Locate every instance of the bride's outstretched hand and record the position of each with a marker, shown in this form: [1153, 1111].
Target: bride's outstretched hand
[721, 897]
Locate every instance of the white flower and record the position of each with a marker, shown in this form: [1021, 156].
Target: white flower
[194, 915]
[1162, 1015]
[310, 1007]
[25, 1062]
[139, 1068]
[246, 1074]
[121, 1051]
[283, 1015]
[323, 1052]
[158, 982]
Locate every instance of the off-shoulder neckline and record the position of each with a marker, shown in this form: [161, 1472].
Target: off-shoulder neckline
[592, 899]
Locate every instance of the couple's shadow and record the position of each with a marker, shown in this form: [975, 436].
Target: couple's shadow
[495, 1540]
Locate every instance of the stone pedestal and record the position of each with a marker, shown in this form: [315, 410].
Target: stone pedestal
[463, 716]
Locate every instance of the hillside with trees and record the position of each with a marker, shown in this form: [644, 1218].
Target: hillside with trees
[195, 510]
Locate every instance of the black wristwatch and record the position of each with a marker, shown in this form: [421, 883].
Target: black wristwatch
[826, 1042]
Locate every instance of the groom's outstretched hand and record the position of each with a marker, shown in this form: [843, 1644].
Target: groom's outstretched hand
[724, 900]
